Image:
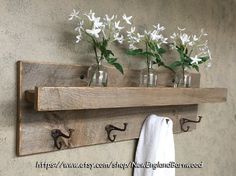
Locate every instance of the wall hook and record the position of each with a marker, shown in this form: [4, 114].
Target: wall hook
[56, 133]
[183, 121]
[110, 128]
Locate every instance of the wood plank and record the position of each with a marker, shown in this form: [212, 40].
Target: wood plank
[33, 128]
[76, 98]
[89, 125]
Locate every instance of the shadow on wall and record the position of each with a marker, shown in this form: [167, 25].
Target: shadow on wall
[82, 53]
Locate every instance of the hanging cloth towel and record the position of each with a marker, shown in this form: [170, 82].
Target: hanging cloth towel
[155, 148]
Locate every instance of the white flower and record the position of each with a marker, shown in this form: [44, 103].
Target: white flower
[195, 59]
[117, 26]
[202, 32]
[203, 47]
[80, 26]
[184, 38]
[174, 35]
[140, 36]
[195, 38]
[90, 15]
[78, 37]
[97, 23]
[95, 20]
[74, 14]
[131, 46]
[127, 19]
[191, 43]
[132, 30]
[158, 27]
[181, 29]
[155, 36]
[136, 39]
[147, 32]
[164, 40]
[109, 19]
[94, 32]
[118, 38]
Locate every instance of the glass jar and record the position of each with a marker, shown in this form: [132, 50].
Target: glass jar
[97, 75]
[148, 76]
[183, 78]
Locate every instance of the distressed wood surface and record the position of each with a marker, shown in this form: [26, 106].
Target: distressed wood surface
[34, 128]
[76, 98]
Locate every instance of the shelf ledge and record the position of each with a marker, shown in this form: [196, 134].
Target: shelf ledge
[77, 98]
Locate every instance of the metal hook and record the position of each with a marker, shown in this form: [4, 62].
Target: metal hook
[110, 128]
[167, 120]
[56, 133]
[183, 121]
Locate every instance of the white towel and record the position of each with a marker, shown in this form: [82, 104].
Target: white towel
[155, 145]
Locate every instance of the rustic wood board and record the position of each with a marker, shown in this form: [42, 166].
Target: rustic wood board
[34, 128]
[77, 98]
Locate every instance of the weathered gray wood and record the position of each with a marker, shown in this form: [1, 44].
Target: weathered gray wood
[76, 98]
[33, 128]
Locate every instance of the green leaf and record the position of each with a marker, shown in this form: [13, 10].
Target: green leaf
[186, 61]
[147, 53]
[111, 60]
[181, 54]
[158, 59]
[175, 64]
[139, 52]
[196, 67]
[152, 46]
[204, 59]
[104, 42]
[161, 50]
[109, 52]
[118, 67]
[134, 52]
[182, 48]
[168, 67]
[188, 66]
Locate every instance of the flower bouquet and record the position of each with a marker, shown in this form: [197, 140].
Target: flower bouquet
[149, 45]
[187, 45]
[100, 32]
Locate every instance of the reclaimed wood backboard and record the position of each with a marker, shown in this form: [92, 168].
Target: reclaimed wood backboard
[34, 128]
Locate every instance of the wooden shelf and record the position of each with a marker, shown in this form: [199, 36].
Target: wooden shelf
[62, 87]
[76, 98]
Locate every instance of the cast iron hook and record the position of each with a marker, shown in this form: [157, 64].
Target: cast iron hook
[183, 121]
[56, 133]
[110, 128]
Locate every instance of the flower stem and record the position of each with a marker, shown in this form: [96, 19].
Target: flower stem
[97, 60]
[90, 81]
[95, 51]
[148, 69]
[183, 68]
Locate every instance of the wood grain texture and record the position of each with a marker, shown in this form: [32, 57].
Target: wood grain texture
[33, 128]
[76, 98]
